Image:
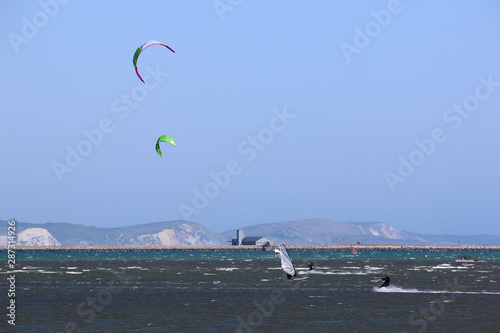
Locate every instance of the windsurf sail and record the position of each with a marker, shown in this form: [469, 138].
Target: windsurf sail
[286, 261]
[353, 251]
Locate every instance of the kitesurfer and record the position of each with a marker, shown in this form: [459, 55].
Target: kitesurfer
[311, 265]
[387, 281]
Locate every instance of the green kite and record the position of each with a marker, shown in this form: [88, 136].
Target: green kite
[163, 138]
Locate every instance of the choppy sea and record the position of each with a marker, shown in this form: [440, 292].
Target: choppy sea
[248, 292]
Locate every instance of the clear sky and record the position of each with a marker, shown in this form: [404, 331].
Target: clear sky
[381, 111]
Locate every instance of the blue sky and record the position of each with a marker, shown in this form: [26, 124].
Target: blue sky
[346, 110]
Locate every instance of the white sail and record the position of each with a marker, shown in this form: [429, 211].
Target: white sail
[286, 261]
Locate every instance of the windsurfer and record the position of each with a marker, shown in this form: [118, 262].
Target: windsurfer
[387, 281]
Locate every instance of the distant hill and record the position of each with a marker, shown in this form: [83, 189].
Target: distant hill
[455, 239]
[323, 231]
[160, 233]
[180, 232]
[167, 233]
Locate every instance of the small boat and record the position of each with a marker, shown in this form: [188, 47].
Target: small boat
[464, 259]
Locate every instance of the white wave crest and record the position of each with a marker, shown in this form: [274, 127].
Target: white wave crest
[395, 289]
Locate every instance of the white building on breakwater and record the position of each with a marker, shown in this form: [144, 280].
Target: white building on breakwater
[242, 240]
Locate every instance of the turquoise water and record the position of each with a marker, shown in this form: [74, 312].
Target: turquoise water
[248, 292]
[450, 255]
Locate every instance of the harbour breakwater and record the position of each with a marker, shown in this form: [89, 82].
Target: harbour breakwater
[253, 248]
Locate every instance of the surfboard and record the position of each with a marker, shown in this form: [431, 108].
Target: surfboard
[301, 278]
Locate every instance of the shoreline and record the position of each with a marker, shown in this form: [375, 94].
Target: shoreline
[254, 248]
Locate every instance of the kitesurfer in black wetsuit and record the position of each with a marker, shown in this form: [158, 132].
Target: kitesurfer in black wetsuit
[386, 280]
[311, 265]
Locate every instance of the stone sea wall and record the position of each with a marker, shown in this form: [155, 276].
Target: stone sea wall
[249, 248]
